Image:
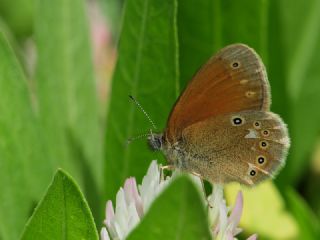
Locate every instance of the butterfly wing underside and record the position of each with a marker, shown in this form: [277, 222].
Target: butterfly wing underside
[247, 152]
[231, 81]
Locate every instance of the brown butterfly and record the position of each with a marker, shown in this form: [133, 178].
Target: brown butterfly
[221, 127]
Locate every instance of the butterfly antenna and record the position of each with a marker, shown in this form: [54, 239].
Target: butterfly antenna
[129, 140]
[144, 112]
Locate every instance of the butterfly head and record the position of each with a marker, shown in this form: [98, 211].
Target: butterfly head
[155, 141]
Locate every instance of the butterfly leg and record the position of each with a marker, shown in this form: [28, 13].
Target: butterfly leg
[167, 167]
[203, 188]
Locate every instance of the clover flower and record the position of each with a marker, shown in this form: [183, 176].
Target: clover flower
[132, 203]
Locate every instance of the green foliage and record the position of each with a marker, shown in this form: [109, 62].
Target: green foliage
[65, 129]
[309, 224]
[178, 213]
[146, 69]
[18, 148]
[300, 38]
[63, 213]
[66, 92]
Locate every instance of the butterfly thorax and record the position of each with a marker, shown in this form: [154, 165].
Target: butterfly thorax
[174, 152]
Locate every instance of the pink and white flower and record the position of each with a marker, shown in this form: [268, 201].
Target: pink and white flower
[132, 203]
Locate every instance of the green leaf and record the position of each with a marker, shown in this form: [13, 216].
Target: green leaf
[308, 223]
[66, 91]
[146, 69]
[18, 15]
[213, 24]
[63, 213]
[19, 178]
[178, 213]
[276, 64]
[303, 86]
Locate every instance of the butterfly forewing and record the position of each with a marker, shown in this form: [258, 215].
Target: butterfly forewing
[233, 80]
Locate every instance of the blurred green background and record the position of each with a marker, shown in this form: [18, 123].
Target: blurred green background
[59, 107]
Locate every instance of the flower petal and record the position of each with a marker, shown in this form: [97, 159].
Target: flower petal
[214, 201]
[121, 213]
[132, 194]
[150, 185]
[223, 216]
[109, 214]
[253, 237]
[133, 218]
[236, 213]
[104, 234]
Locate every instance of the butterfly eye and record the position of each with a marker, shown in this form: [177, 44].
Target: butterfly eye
[263, 144]
[237, 121]
[253, 173]
[257, 124]
[265, 133]
[235, 65]
[261, 159]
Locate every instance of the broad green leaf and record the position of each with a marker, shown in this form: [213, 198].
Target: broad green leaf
[19, 179]
[264, 211]
[146, 69]
[309, 224]
[305, 31]
[178, 213]
[213, 24]
[276, 64]
[63, 213]
[301, 44]
[66, 92]
[311, 183]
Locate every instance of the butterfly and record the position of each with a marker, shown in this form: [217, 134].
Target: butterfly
[221, 127]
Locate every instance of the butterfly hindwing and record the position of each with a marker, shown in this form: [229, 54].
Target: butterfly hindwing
[247, 147]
